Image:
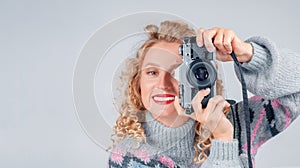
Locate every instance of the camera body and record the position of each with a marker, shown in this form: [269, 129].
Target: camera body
[196, 72]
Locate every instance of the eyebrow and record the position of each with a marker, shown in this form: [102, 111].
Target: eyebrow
[151, 64]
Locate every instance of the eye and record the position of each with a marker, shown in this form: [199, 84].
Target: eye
[151, 73]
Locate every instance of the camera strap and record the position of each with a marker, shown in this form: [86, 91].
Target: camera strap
[246, 110]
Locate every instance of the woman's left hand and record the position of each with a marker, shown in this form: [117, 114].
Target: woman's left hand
[225, 41]
[212, 117]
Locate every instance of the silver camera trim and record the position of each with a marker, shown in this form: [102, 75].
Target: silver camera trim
[186, 90]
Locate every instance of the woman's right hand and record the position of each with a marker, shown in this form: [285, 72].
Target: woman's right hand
[212, 117]
[225, 41]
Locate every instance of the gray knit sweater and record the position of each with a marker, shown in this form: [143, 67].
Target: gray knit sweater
[274, 77]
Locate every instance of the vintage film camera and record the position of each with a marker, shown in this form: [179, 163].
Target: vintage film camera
[196, 72]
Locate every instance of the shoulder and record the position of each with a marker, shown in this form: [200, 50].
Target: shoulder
[125, 147]
[124, 154]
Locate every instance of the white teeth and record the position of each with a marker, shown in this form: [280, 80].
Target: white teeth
[163, 98]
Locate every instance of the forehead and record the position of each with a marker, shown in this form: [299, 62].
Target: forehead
[163, 55]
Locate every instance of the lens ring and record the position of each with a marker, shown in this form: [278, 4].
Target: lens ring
[204, 81]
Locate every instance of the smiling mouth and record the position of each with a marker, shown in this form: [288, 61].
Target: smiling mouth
[163, 99]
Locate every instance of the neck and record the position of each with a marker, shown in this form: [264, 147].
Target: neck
[172, 121]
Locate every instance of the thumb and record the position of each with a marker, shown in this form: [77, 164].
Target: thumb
[179, 109]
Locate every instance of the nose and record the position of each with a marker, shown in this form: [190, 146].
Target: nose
[165, 81]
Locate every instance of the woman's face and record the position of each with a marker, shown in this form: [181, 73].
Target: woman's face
[158, 86]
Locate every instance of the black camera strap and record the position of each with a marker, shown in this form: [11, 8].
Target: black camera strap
[246, 110]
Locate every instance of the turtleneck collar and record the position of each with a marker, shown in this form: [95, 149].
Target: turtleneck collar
[177, 143]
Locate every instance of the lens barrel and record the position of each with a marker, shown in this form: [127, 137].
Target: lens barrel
[201, 74]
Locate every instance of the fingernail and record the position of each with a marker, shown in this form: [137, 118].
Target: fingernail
[199, 44]
[207, 90]
[210, 49]
[226, 104]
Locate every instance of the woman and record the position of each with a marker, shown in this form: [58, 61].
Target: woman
[154, 131]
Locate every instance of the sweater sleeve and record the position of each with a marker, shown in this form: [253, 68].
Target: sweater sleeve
[274, 77]
[271, 74]
[223, 155]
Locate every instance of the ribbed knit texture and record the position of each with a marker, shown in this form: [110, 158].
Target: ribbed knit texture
[271, 73]
[177, 143]
[223, 155]
[224, 151]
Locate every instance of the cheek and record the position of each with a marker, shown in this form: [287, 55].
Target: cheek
[175, 84]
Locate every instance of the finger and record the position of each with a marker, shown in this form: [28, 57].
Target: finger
[196, 103]
[218, 41]
[228, 39]
[226, 104]
[179, 109]
[199, 37]
[212, 103]
[199, 97]
[223, 56]
[214, 112]
[208, 35]
[221, 105]
[215, 117]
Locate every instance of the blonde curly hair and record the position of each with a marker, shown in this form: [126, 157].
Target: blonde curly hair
[132, 110]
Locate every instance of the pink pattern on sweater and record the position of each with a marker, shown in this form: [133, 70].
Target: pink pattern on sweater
[167, 161]
[116, 156]
[276, 104]
[255, 148]
[255, 98]
[143, 155]
[257, 126]
[287, 118]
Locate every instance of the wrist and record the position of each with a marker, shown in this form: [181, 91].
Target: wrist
[248, 52]
[224, 138]
[224, 131]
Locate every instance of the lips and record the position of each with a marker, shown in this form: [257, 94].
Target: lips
[163, 99]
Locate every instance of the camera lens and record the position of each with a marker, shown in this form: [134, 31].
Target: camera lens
[201, 73]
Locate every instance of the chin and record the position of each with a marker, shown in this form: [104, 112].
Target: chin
[164, 112]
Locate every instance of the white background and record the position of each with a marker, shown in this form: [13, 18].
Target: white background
[40, 42]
